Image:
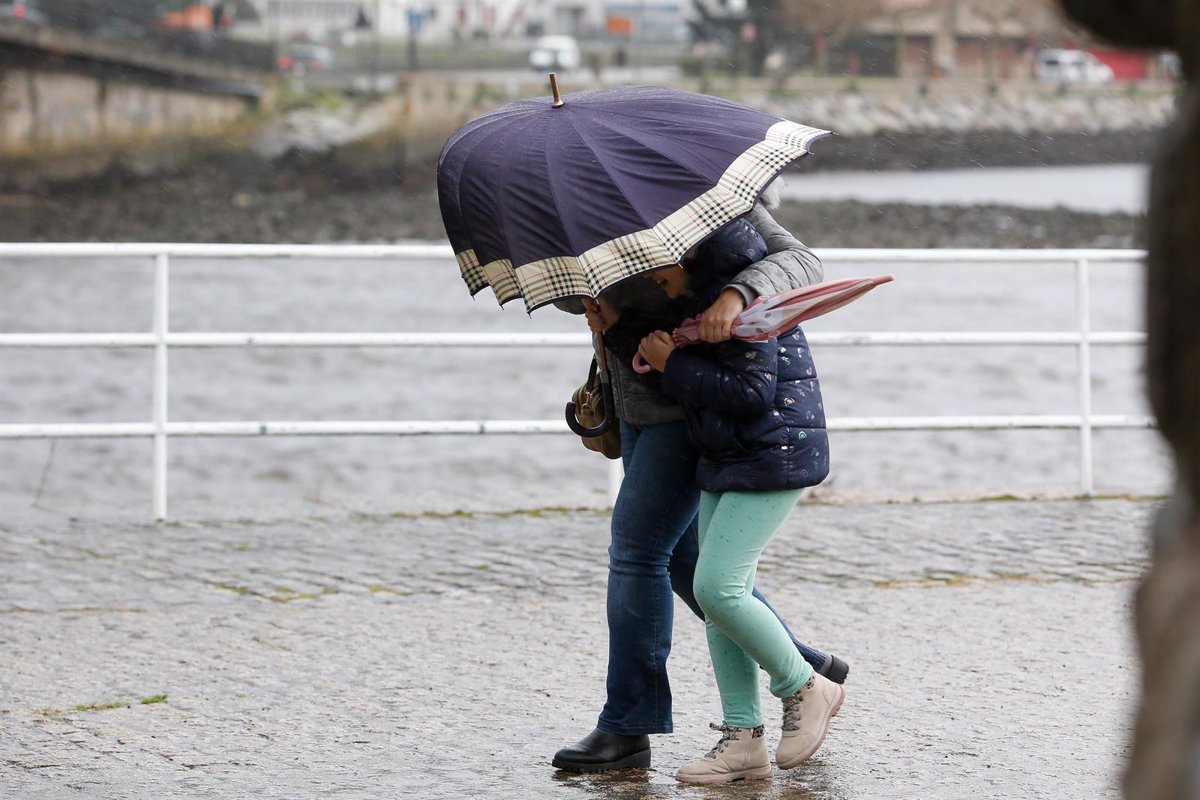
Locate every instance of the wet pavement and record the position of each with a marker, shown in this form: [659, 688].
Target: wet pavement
[448, 656]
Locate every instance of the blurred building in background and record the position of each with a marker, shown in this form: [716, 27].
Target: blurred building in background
[921, 39]
[982, 39]
[995, 39]
[456, 20]
[131, 18]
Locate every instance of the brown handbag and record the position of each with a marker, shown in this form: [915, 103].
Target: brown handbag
[590, 410]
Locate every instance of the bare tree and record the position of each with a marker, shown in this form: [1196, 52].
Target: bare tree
[828, 22]
[995, 13]
[752, 30]
[1039, 21]
[899, 11]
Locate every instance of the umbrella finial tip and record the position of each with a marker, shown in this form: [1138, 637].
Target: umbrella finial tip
[558, 101]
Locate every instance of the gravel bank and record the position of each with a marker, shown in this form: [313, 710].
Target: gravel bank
[854, 224]
[240, 197]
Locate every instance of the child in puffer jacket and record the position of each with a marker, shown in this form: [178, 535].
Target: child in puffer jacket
[754, 411]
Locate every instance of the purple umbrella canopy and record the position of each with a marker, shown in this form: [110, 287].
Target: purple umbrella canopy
[548, 199]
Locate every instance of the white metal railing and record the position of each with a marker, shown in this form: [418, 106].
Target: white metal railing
[161, 339]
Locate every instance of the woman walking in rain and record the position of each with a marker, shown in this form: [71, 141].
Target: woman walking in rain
[654, 545]
[754, 411]
[567, 198]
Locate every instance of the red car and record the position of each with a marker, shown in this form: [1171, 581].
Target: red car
[21, 9]
[302, 59]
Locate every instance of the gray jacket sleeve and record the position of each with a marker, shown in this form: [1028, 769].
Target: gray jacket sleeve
[787, 265]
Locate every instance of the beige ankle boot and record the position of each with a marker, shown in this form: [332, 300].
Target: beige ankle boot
[806, 716]
[740, 755]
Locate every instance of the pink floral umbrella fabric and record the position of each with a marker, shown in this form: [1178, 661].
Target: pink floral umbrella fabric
[773, 314]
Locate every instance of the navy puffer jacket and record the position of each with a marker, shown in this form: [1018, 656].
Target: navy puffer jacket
[754, 410]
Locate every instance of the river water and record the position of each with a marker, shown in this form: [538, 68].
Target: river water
[1101, 189]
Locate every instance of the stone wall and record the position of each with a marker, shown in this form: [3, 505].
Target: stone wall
[45, 112]
[869, 107]
[858, 108]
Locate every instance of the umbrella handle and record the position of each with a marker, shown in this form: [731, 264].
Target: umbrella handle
[639, 364]
[589, 433]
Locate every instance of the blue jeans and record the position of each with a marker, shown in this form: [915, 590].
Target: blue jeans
[653, 552]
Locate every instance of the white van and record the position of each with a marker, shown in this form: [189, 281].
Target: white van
[1071, 66]
[555, 52]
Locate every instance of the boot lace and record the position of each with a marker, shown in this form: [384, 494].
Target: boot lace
[791, 707]
[728, 735]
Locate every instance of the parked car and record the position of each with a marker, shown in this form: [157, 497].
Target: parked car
[301, 59]
[1071, 66]
[23, 10]
[555, 52]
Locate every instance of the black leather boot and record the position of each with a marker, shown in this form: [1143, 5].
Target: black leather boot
[600, 751]
[836, 670]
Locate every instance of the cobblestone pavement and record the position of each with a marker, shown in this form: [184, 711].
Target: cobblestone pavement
[364, 656]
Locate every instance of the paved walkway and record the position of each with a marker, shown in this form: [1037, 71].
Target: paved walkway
[449, 656]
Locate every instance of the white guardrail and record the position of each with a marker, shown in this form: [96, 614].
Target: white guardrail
[161, 339]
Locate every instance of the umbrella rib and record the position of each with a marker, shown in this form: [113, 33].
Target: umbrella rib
[554, 193]
[603, 168]
[583, 139]
[600, 162]
[632, 138]
[484, 137]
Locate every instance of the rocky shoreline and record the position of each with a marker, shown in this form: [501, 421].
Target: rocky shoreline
[936, 149]
[238, 196]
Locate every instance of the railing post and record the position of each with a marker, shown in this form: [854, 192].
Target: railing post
[161, 309]
[1084, 314]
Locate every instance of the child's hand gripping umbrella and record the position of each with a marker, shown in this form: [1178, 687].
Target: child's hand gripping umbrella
[771, 315]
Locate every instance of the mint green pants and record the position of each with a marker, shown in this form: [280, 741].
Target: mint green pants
[742, 632]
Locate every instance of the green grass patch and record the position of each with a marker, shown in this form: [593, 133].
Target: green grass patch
[229, 587]
[102, 706]
[378, 589]
[277, 595]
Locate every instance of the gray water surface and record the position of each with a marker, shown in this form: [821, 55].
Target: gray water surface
[1102, 189]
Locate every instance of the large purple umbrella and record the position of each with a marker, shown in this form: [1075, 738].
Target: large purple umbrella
[547, 199]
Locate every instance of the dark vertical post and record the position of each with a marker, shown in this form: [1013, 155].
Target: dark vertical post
[1163, 764]
[375, 48]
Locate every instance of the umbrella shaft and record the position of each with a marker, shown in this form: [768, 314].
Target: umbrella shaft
[601, 352]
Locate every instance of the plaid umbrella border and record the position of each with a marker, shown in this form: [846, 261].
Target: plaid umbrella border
[542, 282]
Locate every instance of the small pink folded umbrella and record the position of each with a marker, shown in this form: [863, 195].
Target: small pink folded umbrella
[771, 315]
